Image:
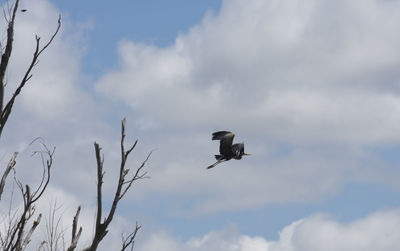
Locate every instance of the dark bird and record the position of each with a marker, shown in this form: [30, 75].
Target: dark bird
[226, 149]
[23, 10]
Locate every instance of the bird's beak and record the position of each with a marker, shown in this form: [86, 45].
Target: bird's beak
[246, 154]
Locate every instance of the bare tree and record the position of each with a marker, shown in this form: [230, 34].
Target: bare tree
[16, 238]
[21, 226]
[6, 108]
[123, 185]
[125, 182]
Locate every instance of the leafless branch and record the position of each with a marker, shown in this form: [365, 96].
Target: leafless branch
[47, 163]
[75, 237]
[41, 245]
[54, 229]
[123, 186]
[7, 54]
[130, 239]
[6, 110]
[10, 222]
[17, 240]
[10, 165]
[100, 175]
[136, 176]
[29, 234]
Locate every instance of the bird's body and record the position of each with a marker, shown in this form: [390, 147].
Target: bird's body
[227, 150]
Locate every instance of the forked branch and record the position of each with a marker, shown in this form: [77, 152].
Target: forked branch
[123, 185]
[130, 239]
[75, 236]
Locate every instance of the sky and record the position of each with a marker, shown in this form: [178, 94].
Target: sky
[311, 87]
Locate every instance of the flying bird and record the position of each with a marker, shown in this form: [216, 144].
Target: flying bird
[23, 10]
[226, 149]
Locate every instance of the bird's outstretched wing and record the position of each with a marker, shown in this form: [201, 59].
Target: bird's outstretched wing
[226, 139]
[219, 135]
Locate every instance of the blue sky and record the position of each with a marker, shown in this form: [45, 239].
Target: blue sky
[155, 22]
[311, 87]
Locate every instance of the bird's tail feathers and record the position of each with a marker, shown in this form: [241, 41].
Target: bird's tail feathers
[218, 157]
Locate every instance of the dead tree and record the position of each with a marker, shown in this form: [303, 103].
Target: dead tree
[16, 236]
[6, 107]
[123, 185]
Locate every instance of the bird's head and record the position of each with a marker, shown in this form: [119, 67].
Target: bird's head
[241, 155]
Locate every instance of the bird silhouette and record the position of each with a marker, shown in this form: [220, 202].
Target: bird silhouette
[227, 150]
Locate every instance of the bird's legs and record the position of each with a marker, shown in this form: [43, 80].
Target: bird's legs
[216, 163]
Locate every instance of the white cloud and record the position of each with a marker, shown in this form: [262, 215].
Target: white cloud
[272, 175]
[378, 231]
[52, 92]
[54, 104]
[268, 70]
[287, 70]
[318, 76]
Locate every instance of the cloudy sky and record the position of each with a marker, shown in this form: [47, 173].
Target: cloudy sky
[312, 87]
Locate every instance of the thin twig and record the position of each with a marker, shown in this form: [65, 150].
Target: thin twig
[41, 245]
[130, 239]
